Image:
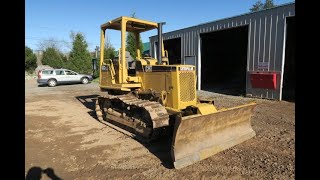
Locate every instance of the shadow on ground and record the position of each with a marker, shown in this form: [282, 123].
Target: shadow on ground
[89, 102]
[35, 173]
[161, 147]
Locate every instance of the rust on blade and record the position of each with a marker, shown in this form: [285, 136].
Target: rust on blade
[198, 137]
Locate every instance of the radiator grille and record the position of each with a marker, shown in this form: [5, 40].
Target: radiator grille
[187, 86]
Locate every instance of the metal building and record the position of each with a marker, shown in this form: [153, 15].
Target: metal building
[254, 51]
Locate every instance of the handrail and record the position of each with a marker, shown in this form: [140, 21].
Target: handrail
[113, 72]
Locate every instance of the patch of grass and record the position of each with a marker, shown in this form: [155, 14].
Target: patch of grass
[96, 80]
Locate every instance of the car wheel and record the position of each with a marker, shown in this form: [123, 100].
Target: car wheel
[84, 80]
[52, 82]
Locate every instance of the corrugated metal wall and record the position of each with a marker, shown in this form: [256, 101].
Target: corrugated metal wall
[265, 43]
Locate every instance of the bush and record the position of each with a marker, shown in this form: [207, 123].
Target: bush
[30, 60]
[52, 57]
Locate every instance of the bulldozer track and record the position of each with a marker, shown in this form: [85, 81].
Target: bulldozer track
[137, 118]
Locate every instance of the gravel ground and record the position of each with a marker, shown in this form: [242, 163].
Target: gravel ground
[62, 133]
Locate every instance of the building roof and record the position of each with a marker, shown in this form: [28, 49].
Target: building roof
[278, 6]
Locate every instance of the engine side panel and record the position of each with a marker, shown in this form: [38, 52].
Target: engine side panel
[178, 81]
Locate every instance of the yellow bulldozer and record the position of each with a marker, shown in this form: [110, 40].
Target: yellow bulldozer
[148, 98]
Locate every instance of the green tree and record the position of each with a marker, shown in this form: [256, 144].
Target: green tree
[260, 6]
[108, 49]
[52, 57]
[80, 58]
[131, 41]
[65, 62]
[30, 62]
[257, 6]
[109, 53]
[268, 4]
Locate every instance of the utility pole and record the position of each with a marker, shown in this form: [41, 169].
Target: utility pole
[97, 49]
[94, 61]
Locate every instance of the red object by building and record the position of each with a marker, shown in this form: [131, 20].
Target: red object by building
[264, 80]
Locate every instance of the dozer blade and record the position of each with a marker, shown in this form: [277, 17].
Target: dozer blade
[198, 137]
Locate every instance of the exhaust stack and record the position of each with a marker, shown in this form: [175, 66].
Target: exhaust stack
[160, 42]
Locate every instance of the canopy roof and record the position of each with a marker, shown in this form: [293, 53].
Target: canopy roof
[132, 25]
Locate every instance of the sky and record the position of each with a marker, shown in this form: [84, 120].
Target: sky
[53, 20]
